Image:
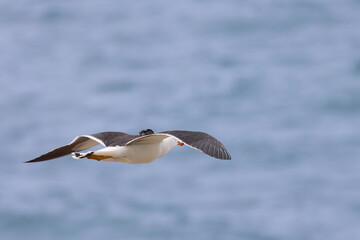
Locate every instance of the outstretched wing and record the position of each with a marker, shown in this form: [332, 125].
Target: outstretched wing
[203, 142]
[84, 142]
[147, 139]
[112, 139]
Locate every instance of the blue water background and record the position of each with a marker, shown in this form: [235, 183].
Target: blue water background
[276, 81]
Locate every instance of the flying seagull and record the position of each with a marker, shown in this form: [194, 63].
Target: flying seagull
[142, 148]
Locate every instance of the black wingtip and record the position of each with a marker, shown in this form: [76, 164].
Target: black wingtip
[224, 158]
[29, 161]
[34, 160]
[146, 132]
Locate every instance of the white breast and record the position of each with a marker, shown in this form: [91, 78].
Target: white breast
[142, 152]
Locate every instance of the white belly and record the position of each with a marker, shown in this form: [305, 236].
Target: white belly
[138, 153]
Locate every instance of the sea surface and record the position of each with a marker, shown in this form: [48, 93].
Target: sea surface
[277, 81]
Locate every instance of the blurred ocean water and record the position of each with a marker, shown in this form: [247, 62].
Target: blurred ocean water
[276, 81]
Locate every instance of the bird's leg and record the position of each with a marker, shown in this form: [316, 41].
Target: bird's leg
[98, 157]
[90, 155]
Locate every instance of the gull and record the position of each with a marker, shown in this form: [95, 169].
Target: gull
[135, 149]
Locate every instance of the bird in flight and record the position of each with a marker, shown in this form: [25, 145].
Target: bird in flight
[142, 148]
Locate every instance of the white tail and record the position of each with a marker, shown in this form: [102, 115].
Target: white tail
[77, 155]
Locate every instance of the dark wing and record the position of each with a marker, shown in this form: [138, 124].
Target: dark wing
[112, 139]
[202, 142]
[84, 142]
[147, 139]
